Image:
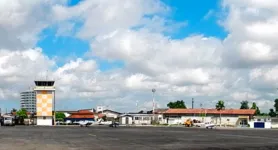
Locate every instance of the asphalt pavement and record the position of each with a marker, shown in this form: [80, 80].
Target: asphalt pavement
[134, 138]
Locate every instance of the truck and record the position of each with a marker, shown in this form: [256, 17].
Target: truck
[188, 123]
[7, 121]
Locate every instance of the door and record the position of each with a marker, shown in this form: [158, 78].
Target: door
[244, 122]
[259, 125]
[127, 120]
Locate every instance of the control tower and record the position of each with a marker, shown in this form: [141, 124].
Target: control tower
[45, 94]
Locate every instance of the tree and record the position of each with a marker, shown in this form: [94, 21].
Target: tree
[264, 114]
[276, 105]
[272, 113]
[141, 112]
[177, 104]
[220, 106]
[254, 106]
[13, 110]
[22, 113]
[244, 105]
[59, 116]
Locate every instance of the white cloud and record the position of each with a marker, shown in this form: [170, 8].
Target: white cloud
[252, 27]
[19, 69]
[240, 96]
[101, 17]
[209, 14]
[156, 52]
[22, 21]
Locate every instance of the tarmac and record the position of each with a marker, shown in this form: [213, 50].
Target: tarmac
[134, 138]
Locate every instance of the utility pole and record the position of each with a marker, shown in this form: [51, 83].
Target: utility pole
[137, 106]
[201, 105]
[192, 103]
[46, 75]
[153, 90]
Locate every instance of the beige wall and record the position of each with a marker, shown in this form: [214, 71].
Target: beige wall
[44, 103]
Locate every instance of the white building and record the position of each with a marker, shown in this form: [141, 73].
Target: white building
[110, 114]
[126, 119]
[144, 118]
[100, 109]
[261, 122]
[136, 118]
[229, 117]
[28, 101]
[159, 115]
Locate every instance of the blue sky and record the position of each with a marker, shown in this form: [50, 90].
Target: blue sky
[68, 47]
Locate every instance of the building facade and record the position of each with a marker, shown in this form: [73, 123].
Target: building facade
[227, 117]
[111, 115]
[28, 101]
[136, 118]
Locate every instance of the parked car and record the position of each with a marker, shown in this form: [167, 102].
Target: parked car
[115, 124]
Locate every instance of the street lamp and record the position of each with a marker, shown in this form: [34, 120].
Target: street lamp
[201, 105]
[153, 91]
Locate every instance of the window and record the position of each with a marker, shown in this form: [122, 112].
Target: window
[146, 118]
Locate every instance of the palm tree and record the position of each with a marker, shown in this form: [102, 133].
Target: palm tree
[220, 106]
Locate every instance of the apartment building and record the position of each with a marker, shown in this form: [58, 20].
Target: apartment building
[28, 101]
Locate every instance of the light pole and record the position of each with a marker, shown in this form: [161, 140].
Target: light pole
[153, 91]
[137, 106]
[192, 103]
[201, 105]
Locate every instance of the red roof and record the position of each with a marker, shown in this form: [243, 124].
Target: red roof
[212, 111]
[85, 111]
[85, 114]
[81, 116]
[82, 113]
[161, 110]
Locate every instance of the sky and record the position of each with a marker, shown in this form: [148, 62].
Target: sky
[114, 52]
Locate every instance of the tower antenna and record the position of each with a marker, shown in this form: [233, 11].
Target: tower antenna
[46, 75]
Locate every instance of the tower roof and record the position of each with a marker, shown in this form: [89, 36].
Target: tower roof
[44, 83]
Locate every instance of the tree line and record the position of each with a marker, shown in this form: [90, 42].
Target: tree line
[22, 114]
[220, 105]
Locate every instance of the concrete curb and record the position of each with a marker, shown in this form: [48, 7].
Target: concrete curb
[154, 126]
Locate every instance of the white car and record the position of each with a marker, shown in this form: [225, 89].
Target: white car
[206, 125]
[85, 123]
[209, 125]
